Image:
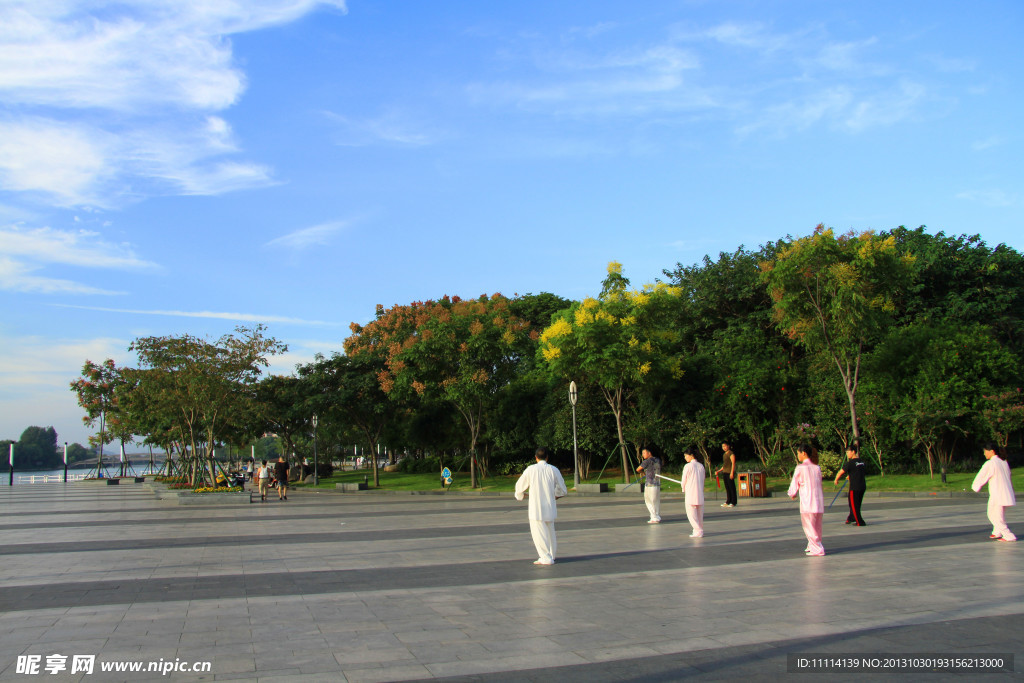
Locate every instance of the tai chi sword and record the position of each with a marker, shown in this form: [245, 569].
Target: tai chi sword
[837, 495]
[661, 476]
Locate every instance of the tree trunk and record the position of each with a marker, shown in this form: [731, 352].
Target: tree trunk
[851, 394]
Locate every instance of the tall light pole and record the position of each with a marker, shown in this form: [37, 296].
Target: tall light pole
[575, 454]
[316, 477]
[65, 462]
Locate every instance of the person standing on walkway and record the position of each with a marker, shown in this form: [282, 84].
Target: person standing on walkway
[728, 470]
[996, 473]
[854, 470]
[807, 484]
[544, 484]
[263, 479]
[651, 467]
[281, 475]
[693, 491]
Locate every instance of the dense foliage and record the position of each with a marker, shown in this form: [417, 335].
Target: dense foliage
[908, 342]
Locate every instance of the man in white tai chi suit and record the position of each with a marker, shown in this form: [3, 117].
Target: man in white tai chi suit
[545, 485]
[996, 473]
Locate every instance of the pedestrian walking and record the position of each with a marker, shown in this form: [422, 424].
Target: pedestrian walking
[263, 479]
[281, 475]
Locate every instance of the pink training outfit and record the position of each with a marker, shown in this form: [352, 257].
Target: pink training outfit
[807, 482]
[693, 487]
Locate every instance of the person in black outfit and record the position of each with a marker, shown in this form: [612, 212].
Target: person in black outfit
[854, 469]
[728, 471]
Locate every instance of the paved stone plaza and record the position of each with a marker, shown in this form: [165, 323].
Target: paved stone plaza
[372, 587]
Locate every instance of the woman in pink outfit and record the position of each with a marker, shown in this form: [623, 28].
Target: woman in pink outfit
[807, 483]
[693, 488]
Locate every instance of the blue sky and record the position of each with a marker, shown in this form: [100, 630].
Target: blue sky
[186, 166]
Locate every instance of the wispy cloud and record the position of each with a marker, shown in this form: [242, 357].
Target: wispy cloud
[78, 248]
[989, 143]
[216, 315]
[16, 276]
[149, 79]
[390, 128]
[993, 198]
[313, 236]
[27, 357]
[27, 250]
[788, 81]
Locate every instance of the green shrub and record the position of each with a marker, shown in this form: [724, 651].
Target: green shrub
[830, 462]
[428, 465]
[511, 468]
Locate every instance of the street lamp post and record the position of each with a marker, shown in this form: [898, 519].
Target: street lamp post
[573, 394]
[65, 462]
[316, 477]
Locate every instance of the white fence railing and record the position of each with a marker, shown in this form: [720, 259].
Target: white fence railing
[47, 478]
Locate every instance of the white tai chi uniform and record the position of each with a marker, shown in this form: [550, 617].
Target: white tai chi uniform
[807, 480]
[996, 473]
[693, 489]
[652, 487]
[545, 483]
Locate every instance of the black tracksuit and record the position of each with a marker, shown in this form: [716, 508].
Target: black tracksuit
[855, 470]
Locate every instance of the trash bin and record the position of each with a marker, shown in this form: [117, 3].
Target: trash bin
[752, 485]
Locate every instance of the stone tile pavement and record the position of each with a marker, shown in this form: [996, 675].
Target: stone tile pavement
[358, 587]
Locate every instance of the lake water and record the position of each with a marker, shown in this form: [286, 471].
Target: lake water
[113, 467]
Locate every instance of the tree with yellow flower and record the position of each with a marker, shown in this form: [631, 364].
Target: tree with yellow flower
[618, 342]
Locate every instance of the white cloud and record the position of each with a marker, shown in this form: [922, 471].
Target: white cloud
[391, 127]
[18, 277]
[35, 377]
[313, 236]
[129, 91]
[26, 250]
[82, 248]
[992, 198]
[26, 358]
[621, 83]
[65, 161]
[989, 143]
[215, 315]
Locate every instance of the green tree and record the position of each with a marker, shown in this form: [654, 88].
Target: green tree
[37, 449]
[346, 391]
[617, 342]
[282, 408]
[1002, 414]
[96, 391]
[206, 386]
[934, 383]
[836, 295]
[459, 351]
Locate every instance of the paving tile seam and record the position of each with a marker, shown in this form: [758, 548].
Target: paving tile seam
[333, 536]
[501, 571]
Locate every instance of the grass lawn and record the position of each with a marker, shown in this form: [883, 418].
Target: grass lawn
[398, 481]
